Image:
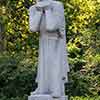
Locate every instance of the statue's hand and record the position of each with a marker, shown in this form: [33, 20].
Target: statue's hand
[43, 8]
[59, 34]
[43, 5]
[39, 9]
[64, 78]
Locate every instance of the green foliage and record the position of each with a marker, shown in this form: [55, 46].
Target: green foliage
[17, 74]
[85, 98]
[19, 49]
[83, 36]
[15, 98]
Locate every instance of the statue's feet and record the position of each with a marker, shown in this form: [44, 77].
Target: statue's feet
[55, 95]
[35, 92]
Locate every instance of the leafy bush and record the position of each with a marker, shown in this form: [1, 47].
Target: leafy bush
[25, 97]
[18, 64]
[85, 98]
[17, 75]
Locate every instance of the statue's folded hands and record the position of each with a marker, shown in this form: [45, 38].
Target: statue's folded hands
[42, 4]
[39, 9]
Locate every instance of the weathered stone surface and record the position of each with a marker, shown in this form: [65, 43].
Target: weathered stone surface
[46, 97]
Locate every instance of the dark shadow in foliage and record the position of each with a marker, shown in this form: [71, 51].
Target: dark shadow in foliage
[15, 79]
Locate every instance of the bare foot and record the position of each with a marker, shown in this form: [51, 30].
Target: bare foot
[35, 92]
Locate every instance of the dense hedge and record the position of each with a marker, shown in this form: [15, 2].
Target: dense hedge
[19, 49]
[71, 98]
[85, 98]
[17, 75]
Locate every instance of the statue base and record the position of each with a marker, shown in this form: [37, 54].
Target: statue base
[46, 97]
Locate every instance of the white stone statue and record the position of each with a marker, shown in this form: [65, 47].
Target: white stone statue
[47, 17]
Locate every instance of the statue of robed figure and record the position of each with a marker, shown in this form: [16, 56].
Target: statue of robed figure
[47, 18]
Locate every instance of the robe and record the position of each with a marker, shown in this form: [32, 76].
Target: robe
[52, 60]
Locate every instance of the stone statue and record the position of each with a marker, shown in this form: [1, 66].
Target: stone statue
[47, 17]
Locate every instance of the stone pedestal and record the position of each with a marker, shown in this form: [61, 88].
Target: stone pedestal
[46, 97]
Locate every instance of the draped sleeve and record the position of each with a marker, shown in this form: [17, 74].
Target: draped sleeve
[34, 19]
[62, 29]
[63, 32]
